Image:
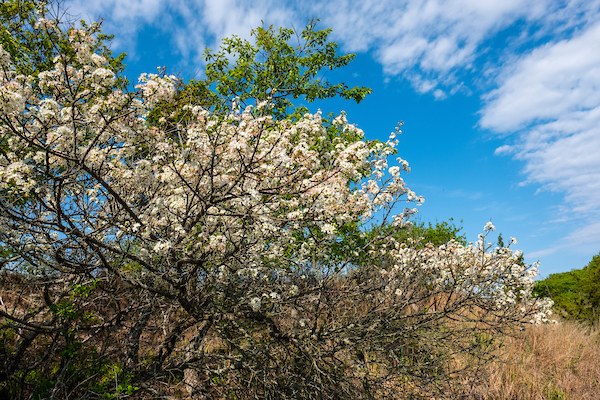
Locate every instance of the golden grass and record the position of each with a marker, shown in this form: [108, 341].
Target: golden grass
[548, 362]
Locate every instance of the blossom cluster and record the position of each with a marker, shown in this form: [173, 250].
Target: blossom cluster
[87, 181]
[497, 277]
[219, 183]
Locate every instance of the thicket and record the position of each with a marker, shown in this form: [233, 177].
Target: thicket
[211, 238]
[576, 293]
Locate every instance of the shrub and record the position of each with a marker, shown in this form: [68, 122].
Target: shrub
[222, 246]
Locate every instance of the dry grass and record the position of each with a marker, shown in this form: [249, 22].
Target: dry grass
[549, 362]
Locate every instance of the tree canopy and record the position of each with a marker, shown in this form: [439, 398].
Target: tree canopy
[275, 69]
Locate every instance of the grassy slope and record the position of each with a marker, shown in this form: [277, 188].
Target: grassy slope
[554, 362]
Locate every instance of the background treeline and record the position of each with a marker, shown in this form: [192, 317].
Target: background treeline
[576, 293]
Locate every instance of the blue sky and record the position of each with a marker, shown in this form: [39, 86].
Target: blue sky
[500, 99]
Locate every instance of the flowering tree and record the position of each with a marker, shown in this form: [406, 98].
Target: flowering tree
[244, 230]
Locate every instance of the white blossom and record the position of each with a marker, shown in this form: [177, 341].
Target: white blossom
[255, 303]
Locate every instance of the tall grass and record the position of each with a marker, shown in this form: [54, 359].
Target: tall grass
[548, 362]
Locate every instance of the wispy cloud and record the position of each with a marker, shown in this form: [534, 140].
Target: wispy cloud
[206, 23]
[542, 253]
[429, 42]
[192, 25]
[122, 18]
[463, 194]
[582, 240]
[551, 98]
[585, 238]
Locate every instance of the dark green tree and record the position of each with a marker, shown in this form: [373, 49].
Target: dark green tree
[576, 293]
[280, 66]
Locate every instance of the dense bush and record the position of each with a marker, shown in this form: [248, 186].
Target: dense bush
[168, 238]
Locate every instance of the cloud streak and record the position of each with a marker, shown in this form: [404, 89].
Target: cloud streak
[551, 99]
[192, 25]
[430, 42]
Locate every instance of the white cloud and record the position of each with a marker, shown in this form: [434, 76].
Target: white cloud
[116, 10]
[542, 253]
[439, 94]
[426, 41]
[504, 149]
[554, 79]
[582, 240]
[224, 18]
[552, 98]
[123, 18]
[585, 238]
[429, 42]
[191, 24]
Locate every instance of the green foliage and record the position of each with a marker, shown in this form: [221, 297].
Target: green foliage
[71, 366]
[113, 378]
[576, 293]
[274, 69]
[354, 240]
[32, 49]
[30, 53]
[438, 234]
